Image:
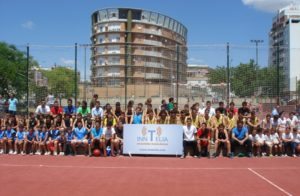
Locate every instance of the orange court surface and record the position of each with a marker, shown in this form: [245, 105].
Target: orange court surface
[153, 176]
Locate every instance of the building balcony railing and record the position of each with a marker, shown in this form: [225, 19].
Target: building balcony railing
[152, 76]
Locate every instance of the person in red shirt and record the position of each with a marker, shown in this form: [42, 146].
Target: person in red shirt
[232, 108]
[203, 140]
[56, 109]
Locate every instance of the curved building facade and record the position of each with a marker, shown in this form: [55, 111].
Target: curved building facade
[137, 48]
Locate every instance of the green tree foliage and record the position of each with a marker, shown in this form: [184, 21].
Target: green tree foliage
[13, 70]
[61, 81]
[249, 80]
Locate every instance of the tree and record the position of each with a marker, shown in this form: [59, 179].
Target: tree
[13, 70]
[244, 79]
[248, 79]
[61, 81]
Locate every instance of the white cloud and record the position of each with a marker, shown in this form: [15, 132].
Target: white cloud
[269, 5]
[28, 25]
[194, 60]
[67, 61]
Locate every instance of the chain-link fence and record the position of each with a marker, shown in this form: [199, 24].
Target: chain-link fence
[157, 70]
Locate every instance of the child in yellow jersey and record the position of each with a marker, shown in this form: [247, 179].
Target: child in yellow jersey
[195, 118]
[230, 122]
[253, 122]
[150, 118]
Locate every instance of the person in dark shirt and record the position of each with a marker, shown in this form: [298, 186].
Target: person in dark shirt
[221, 108]
[244, 110]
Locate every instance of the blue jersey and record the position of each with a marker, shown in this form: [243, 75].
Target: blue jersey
[69, 136]
[96, 133]
[31, 136]
[80, 133]
[21, 135]
[9, 134]
[12, 104]
[54, 134]
[240, 133]
[137, 119]
[1, 134]
[42, 135]
[69, 110]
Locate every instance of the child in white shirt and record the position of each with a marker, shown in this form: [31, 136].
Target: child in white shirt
[259, 142]
[276, 142]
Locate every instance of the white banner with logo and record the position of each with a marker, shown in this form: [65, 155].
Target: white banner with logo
[153, 139]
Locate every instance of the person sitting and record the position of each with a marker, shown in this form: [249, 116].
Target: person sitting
[222, 141]
[203, 140]
[240, 137]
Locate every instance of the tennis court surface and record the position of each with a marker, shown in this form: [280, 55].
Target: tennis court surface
[153, 176]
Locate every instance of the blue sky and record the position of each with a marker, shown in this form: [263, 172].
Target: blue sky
[210, 23]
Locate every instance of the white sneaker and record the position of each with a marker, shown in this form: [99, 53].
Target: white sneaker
[22, 153]
[37, 153]
[10, 152]
[55, 153]
[47, 153]
[1, 151]
[294, 155]
[15, 152]
[62, 153]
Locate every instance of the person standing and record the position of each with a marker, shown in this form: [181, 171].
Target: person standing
[12, 104]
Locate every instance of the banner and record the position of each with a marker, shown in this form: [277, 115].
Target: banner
[153, 139]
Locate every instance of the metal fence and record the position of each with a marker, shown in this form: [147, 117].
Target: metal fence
[117, 74]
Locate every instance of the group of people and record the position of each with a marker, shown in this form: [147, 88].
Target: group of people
[71, 130]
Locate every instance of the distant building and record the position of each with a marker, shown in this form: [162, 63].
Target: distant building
[285, 34]
[197, 80]
[141, 45]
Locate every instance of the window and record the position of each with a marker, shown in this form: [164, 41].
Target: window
[101, 39]
[114, 60]
[114, 27]
[114, 38]
[103, 15]
[166, 23]
[161, 19]
[145, 16]
[113, 13]
[113, 82]
[101, 61]
[171, 24]
[153, 18]
[100, 50]
[101, 28]
[100, 72]
[115, 49]
[175, 26]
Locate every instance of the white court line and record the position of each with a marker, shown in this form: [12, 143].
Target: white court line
[140, 167]
[270, 182]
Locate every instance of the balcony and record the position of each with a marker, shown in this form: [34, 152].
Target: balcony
[153, 76]
[152, 42]
[152, 64]
[152, 31]
[152, 53]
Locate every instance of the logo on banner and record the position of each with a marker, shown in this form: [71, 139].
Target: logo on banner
[152, 135]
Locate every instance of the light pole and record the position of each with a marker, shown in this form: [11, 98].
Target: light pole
[256, 41]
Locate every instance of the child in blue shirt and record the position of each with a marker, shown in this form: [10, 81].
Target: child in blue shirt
[2, 131]
[8, 139]
[19, 142]
[30, 141]
[69, 136]
[53, 140]
[42, 137]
